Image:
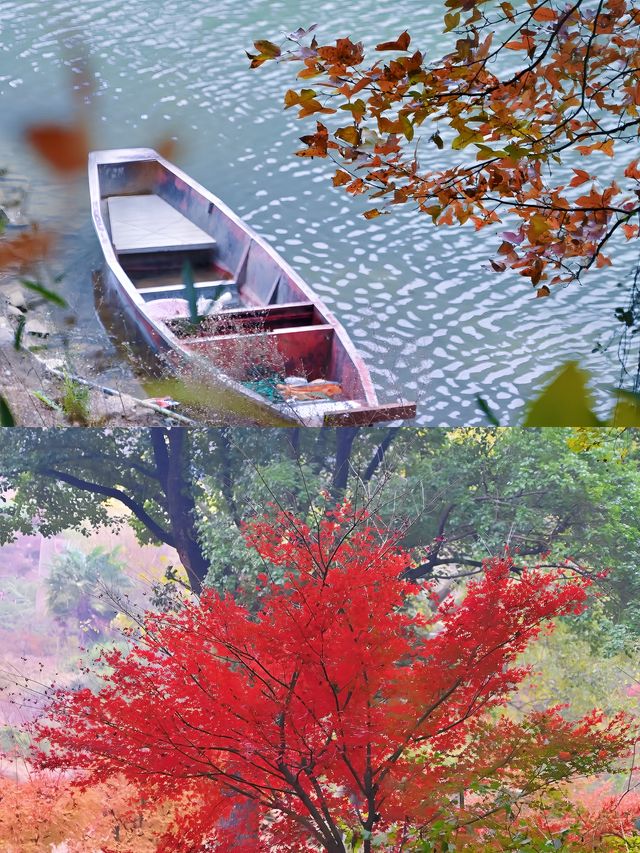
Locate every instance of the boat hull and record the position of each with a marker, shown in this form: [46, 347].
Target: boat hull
[304, 333]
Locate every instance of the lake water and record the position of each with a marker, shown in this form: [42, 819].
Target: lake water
[422, 304]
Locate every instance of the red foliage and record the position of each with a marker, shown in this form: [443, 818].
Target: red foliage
[336, 705]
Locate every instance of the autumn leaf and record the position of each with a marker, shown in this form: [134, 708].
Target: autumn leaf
[349, 134]
[632, 170]
[401, 43]
[317, 143]
[466, 136]
[606, 147]
[26, 249]
[544, 13]
[581, 176]
[451, 21]
[267, 48]
[64, 147]
[357, 109]
[341, 178]
[371, 214]
[523, 126]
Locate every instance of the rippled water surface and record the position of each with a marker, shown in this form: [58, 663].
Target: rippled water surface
[431, 319]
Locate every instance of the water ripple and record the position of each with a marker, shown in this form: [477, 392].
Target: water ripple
[430, 318]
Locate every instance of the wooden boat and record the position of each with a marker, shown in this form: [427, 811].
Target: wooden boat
[167, 241]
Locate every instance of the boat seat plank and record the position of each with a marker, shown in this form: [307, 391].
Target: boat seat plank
[177, 288]
[306, 336]
[269, 312]
[147, 223]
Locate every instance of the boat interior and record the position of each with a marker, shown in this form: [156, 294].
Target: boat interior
[157, 223]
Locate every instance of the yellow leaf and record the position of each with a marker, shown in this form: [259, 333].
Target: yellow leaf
[451, 21]
[466, 137]
[566, 401]
[267, 48]
[350, 135]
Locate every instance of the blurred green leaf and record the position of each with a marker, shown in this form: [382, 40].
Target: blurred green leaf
[6, 416]
[484, 406]
[566, 401]
[47, 294]
[627, 409]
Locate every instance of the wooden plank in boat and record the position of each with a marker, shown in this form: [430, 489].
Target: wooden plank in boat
[147, 223]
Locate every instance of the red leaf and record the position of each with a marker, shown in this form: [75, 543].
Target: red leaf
[401, 43]
[544, 13]
[580, 178]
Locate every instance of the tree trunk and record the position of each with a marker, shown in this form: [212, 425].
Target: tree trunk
[345, 436]
[378, 457]
[173, 456]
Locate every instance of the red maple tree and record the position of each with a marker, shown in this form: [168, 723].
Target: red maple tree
[522, 87]
[350, 706]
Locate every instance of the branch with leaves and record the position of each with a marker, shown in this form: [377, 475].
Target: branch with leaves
[521, 93]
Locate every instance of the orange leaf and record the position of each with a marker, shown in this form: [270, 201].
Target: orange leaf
[371, 214]
[606, 147]
[401, 43]
[580, 178]
[544, 14]
[603, 261]
[167, 148]
[543, 291]
[65, 147]
[630, 231]
[340, 178]
[632, 171]
[25, 249]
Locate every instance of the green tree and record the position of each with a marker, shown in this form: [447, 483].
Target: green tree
[462, 494]
[82, 587]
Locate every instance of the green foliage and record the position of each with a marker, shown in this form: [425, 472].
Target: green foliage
[75, 401]
[465, 493]
[6, 415]
[81, 585]
[284, 482]
[47, 294]
[567, 401]
[569, 669]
